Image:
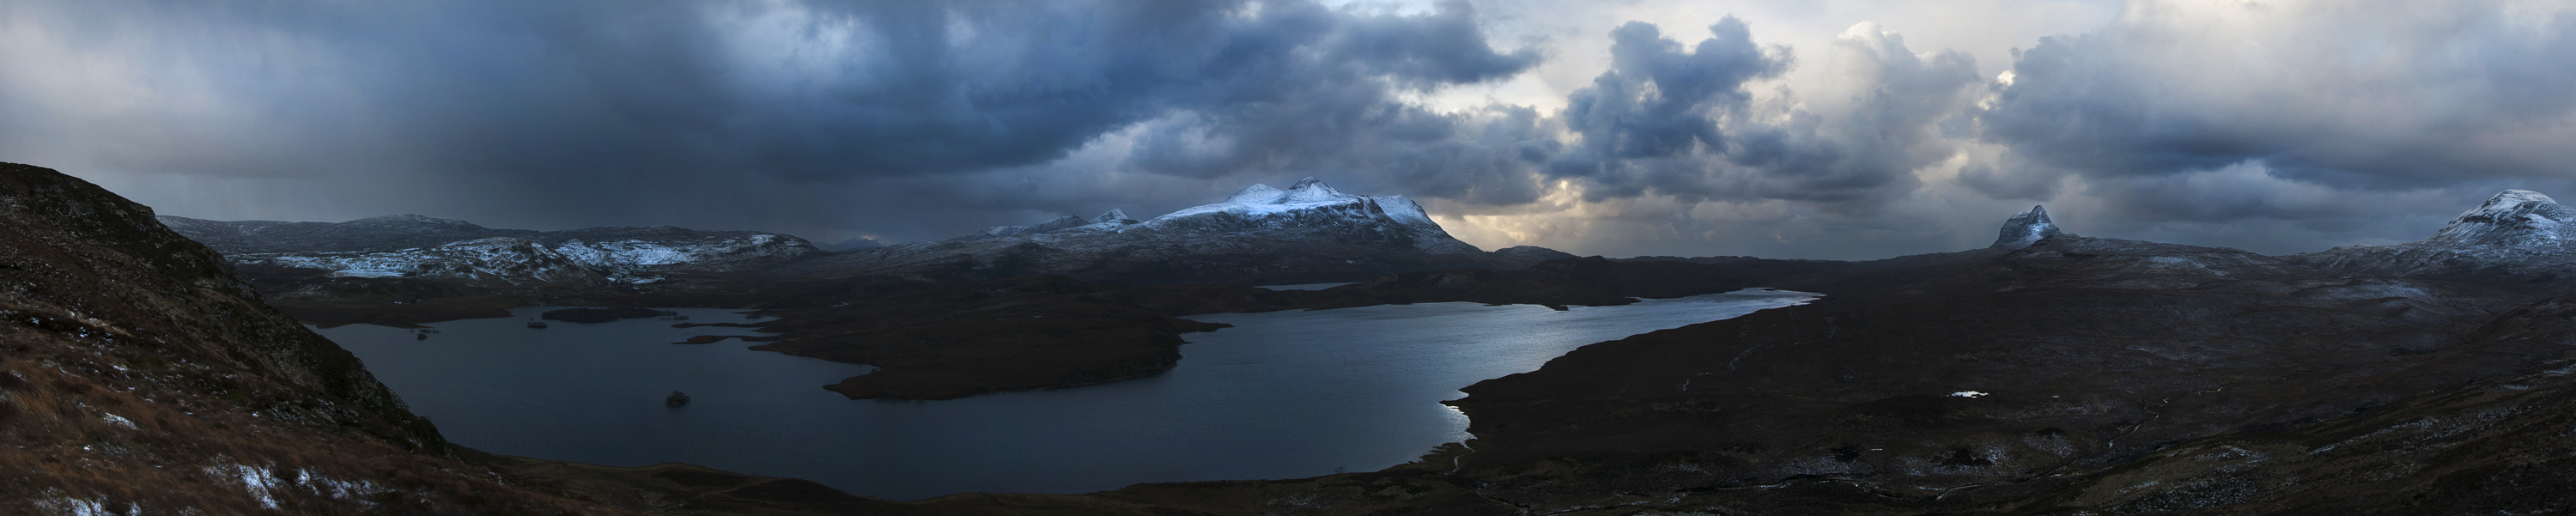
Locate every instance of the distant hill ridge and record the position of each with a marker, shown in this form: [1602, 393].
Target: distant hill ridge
[419, 246]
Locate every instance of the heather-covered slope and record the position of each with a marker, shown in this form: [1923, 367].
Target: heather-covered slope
[142, 376]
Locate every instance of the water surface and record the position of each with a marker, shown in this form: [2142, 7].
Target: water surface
[1280, 395]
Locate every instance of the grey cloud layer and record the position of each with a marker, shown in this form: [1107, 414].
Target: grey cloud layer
[2377, 98]
[2321, 124]
[805, 90]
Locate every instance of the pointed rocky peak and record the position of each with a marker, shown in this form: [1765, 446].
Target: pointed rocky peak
[1258, 194]
[2510, 218]
[2025, 229]
[2509, 200]
[1114, 216]
[1312, 190]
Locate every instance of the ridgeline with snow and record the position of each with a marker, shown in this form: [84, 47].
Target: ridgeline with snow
[1307, 233]
[413, 246]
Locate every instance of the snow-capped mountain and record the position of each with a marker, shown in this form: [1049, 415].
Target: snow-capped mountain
[2518, 238]
[413, 246]
[2511, 219]
[1305, 206]
[1306, 233]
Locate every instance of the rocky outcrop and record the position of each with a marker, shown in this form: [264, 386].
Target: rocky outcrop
[2518, 239]
[1308, 233]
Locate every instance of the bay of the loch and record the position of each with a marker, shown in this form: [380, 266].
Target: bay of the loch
[1280, 395]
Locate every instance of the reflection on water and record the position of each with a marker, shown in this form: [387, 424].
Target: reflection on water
[1280, 395]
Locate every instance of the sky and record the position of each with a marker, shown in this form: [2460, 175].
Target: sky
[1785, 129]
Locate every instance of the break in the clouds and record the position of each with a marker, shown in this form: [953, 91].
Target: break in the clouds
[1795, 129]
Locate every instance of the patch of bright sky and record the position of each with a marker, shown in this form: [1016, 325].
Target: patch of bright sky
[1575, 35]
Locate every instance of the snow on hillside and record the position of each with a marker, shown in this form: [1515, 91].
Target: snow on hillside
[423, 247]
[502, 259]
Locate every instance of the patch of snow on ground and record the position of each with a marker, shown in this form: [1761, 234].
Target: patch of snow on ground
[261, 483]
[73, 507]
[253, 479]
[117, 420]
[336, 488]
[1968, 394]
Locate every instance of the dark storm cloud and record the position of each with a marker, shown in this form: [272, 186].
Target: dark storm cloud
[972, 86]
[628, 96]
[1337, 109]
[2284, 126]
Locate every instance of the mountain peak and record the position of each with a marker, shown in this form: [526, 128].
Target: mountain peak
[1257, 194]
[1114, 215]
[1312, 190]
[2515, 197]
[2025, 229]
[1308, 190]
[2511, 217]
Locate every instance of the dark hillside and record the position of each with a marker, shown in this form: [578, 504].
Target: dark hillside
[138, 374]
